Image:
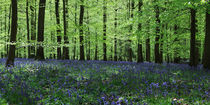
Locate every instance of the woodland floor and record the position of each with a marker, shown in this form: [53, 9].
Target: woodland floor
[68, 82]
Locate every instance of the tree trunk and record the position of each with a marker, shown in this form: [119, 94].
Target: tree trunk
[11, 56]
[75, 30]
[33, 28]
[58, 28]
[148, 55]
[206, 54]
[96, 43]
[40, 48]
[140, 58]
[96, 46]
[104, 30]
[148, 49]
[115, 39]
[157, 38]
[65, 25]
[5, 31]
[7, 46]
[192, 41]
[176, 52]
[130, 52]
[88, 38]
[161, 45]
[82, 55]
[27, 25]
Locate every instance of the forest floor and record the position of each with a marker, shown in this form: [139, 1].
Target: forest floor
[68, 82]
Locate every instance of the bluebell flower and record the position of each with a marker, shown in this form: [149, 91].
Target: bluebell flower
[113, 103]
[103, 98]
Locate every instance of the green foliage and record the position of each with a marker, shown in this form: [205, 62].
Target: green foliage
[172, 12]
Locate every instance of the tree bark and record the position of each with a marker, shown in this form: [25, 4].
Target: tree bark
[96, 46]
[7, 46]
[82, 55]
[104, 30]
[148, 53]
[148, 49]
[88, 37]
[140, 58]
[33, 28]
[193, 38]
[5, 30]
[115, 38]
[65, 25]
[130, 52]
[58, 28]
[206, 54]
[75, 30]
[176, 52]
[157, 37]
[11, 56]
[28, 32]
[40, 48]
[161, 45]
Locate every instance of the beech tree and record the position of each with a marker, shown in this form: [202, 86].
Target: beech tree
[206, 54]
[104, 30]
[125, 30]
[11, 56]
[58, 28]
[82, 55]
[65, 26]
[40, 48]
[33, 28]
[140, 53]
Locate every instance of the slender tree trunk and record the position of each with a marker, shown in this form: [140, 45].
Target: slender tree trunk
[11, 56]
[75, 30]
[206, 54]
[111, 55]
[65, 23]
[5, 31]
[104, 29]
[82, 55]
[58, 28]
[33, 28]
[148, 53]
[161, 45]
[193, 36]
[40, 48]
[176, 52]
[7, 46]
[96, 46]
[52, 33]
[140, 58]
[130, 52]
[167, 36]
[96, 43]
[115, 38]
[148, 49]
[27, 25]
[157, 38]
[88, 38]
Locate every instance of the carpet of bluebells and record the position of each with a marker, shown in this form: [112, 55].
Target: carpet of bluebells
[57, 82]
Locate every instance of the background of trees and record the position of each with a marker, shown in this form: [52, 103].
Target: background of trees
[120, 30]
